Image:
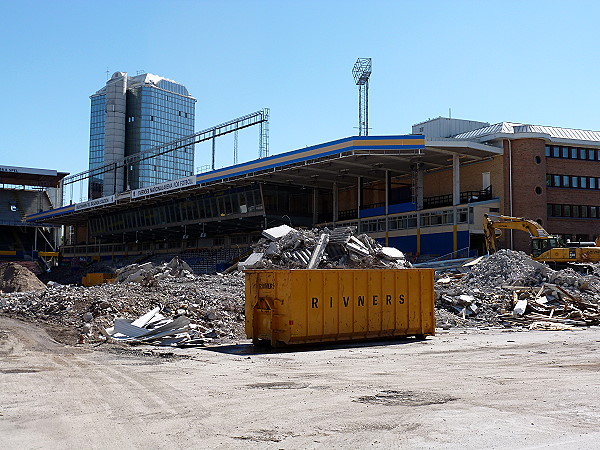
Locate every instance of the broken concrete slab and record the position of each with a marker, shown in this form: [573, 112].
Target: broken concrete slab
[391, 253]
[253, 261]
[317, 254]
[277, 232]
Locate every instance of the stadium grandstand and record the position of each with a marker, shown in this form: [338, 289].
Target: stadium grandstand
[23, 192]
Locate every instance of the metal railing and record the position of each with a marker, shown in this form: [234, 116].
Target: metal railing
[465, 197]
[248, 120]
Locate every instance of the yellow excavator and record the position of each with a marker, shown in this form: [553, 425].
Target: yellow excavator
[544, 247]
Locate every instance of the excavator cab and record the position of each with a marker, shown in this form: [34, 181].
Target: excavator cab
[543, 244]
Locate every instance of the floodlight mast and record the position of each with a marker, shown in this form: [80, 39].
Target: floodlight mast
[362, 72]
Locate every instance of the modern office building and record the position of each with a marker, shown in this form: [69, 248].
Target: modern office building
[132, 114]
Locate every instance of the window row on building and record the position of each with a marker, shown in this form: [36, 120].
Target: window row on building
[410, 221]
[178, 211]
[574, 211]
[558, 151]
[572, 181]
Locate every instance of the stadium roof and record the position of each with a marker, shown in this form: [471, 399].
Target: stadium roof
[24, 176]
[339, 162]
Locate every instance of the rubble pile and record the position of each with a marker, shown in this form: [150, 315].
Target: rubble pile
[509, 288]
[148, 274]
[16, 278]
[212, 306]
[155, 328]
[285, 247]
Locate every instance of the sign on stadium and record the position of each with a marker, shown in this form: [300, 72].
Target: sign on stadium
[163, 187]
[96, 202]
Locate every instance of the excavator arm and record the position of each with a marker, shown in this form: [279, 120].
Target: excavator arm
[511, 223]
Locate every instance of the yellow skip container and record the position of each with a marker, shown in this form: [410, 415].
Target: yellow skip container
[326, 305]
[92, 279]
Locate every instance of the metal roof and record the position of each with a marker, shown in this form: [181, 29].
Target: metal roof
[514, 128]
[30, 177]
[341, 162]
[502, 127]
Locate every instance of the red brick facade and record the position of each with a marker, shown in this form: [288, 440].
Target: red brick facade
[530, 195]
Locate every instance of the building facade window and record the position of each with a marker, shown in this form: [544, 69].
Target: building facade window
[157, 112]
[573, 181]
[574, 211]
[564, 152]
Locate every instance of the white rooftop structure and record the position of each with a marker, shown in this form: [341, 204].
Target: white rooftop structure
[506, 129]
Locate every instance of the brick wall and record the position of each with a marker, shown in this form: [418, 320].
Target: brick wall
[528, 159]
[531, 195]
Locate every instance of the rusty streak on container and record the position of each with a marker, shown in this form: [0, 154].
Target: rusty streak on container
[303, 306]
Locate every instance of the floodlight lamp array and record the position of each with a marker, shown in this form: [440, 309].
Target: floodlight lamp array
[362, 71]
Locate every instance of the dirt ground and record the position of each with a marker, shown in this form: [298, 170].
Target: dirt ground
[459, 389]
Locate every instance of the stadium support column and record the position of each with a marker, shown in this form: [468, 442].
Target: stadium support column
[315, 205]
[417, 181]
[455, 198]
[387, 206]
[359, 198]
[114, 132]
[335, 202]
[455, 180]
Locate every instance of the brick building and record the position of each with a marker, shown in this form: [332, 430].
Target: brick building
[550, 174]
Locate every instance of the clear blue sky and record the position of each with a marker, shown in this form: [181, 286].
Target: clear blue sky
[523, 61]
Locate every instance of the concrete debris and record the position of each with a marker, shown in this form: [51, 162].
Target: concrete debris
[16, 278]
[510, 289]
[318, 251]
[290, 248]
[277, 232]
[551, 326]
[156, 330]
[213, 305]
[252, 262]
[148, 273]
[520, 307]
[391, 253]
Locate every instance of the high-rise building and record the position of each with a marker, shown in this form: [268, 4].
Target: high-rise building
[133, 114]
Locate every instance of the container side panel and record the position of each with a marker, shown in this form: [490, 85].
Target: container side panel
[346, 299]
[281, 316]
[400, 301]
[295, 306]
[387, 300]
[427, 302]
[414, 302]
[359, 302]
[251, 298]
[373, 302]
[315, 303]
[298, 312]
[331, 303]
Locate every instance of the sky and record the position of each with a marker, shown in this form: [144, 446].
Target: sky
[521, 61]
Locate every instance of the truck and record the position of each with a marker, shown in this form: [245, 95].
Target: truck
[544, 246]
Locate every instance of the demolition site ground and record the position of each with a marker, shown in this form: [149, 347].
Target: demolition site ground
[463, 388]
[159, 359]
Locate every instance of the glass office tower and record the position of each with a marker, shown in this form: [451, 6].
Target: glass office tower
[133, 114]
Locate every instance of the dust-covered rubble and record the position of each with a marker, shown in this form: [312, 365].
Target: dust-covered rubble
[214, 304]
[148, 274]
[284, 247]
[16, 278]
[506, 289]
[509, 288]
